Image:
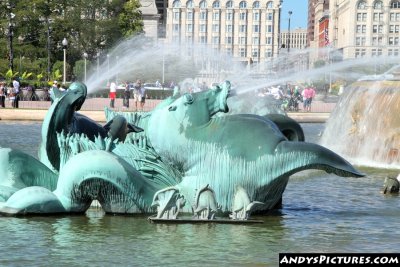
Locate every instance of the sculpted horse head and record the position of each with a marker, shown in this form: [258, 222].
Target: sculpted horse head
[195, 109]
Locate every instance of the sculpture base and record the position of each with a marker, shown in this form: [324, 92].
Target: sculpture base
[189, 220]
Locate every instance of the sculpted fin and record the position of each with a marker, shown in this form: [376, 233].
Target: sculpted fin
[319, 158]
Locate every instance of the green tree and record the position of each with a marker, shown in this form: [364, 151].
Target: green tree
[89, 26]
[130, 19]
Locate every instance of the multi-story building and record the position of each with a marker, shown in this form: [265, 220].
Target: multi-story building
[365, 27]
[247, 30]
[296, 39]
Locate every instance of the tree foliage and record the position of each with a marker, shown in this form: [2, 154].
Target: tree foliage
[39, 26]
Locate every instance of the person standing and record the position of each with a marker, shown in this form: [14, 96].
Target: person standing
[309, 94]
[2, 95]
[113, 93]
[137, 93]
[16, 90]
[127, 95]
[142, 98]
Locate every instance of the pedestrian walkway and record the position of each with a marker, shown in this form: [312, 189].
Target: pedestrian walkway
[94, 108]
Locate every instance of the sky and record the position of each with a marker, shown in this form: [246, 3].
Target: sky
[298, 19]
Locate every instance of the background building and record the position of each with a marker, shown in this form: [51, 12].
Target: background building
[247, 30]
[297, 40]
[366, 27]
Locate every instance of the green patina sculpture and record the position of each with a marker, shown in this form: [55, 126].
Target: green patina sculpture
[186, 159]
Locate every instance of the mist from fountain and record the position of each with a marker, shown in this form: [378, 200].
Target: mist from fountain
[362, 127]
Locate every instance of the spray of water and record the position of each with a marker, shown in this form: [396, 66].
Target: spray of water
[362, 127]
[192, 64]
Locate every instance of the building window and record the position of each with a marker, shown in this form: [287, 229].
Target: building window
[377, 28]
[269, 16]
[229, 28]
[268, 40]
[229, 15]
[229, 4]
[393, 52]
[203, 4]
[242, 28]
[229, 51]
[243, 4]
[269, 4]
[176, 4]
[215, 40]
[242, 40]
[215, 27]
[376, 52]
[360, 41]
[360, 52]
[216, 16]
[377, 41]
[189, 4]
[361, 16]
[256, 41]
[176, 15]
[203, 39]
[361, 5]
[228, 39]
[242, 52]
[256, 16]
[378, 5]
[378, 16]
[361, 28]
[269, 28]
[203, 28]
[394, 16]
[268, 53]
[189, 27]
[176, 27]
[393, 40]
[254, 53]
[256, 4]
[216, 4]
[189, 15]
[203, 15]
[243, 16]
[395, 4]
[394, 29]
[189, 40]
[256, 28]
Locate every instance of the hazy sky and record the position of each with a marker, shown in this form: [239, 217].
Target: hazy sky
[298, 19]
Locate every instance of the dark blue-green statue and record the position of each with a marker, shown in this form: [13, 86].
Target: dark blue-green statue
[184, 156]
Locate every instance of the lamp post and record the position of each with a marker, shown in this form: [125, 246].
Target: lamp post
[11, 16]
[108, 69]
[48, 49]
[116, 78]
[20, 40]
[98, 64]
[65, 43]
[163, 69]
[85, 55]
[288, 39]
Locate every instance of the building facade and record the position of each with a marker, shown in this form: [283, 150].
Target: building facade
[365, 28]
[296, 39]
[247, 30]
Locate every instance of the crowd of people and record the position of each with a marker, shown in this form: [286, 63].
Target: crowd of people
[10, 92]
[139, 94]
[291, 98]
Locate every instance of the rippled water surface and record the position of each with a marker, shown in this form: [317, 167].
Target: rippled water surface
[321, 213]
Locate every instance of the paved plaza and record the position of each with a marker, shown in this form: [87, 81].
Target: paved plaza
[94, 108]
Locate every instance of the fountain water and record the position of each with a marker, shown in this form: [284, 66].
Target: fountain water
[363, 106]
[364, 126]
